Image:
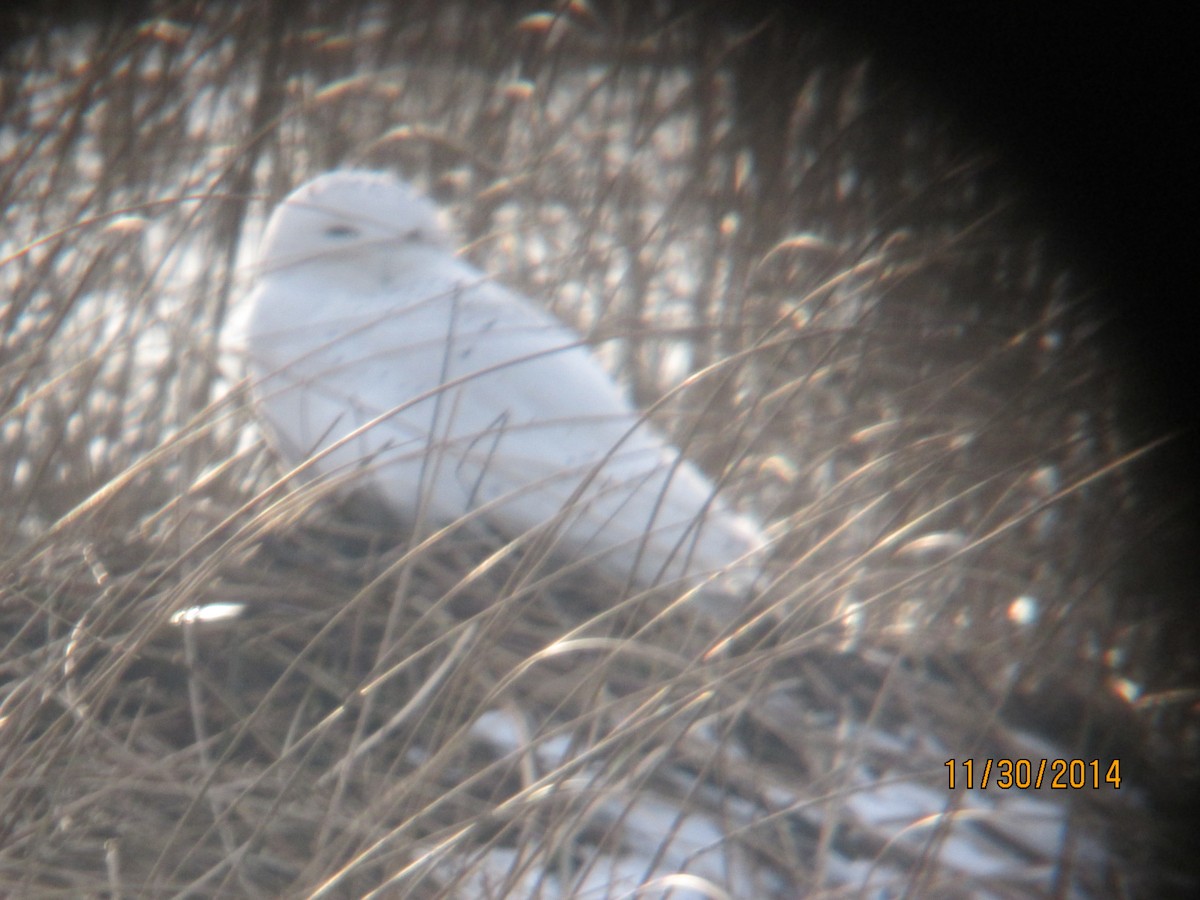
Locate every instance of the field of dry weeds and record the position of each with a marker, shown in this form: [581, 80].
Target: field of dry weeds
[898, 372]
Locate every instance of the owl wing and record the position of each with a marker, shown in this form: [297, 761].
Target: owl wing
[547, 428]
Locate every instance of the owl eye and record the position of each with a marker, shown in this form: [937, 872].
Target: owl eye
[341, 231]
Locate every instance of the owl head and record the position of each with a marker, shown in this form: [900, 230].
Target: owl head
[348, 218]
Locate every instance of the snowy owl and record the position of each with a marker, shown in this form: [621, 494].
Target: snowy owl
[376, 352]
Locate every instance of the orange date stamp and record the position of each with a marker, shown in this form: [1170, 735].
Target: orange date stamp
[1057, 774]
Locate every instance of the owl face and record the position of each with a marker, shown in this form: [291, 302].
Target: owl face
[351, 219]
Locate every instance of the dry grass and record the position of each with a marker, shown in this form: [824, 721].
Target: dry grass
[895, 370]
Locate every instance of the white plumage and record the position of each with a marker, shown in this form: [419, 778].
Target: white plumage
[375, 350]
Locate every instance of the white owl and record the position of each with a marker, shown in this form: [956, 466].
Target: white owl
[374, 350]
